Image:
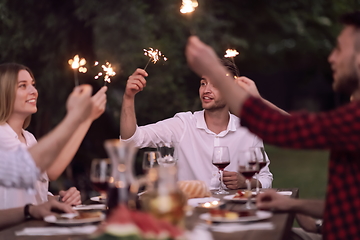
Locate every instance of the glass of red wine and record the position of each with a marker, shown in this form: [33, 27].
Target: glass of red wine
[100, 176]
[221, 159]
[248, 167]
[150, 160]
[260, 157]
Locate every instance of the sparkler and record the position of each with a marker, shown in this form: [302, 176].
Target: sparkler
[188, 7]
[108, 71]
[154, 56]
[77, 64]
[231, 53]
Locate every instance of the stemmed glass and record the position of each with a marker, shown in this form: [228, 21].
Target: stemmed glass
[150, 160]
[221, 159]
[168, 155]
[248, 166]
[260, 157]
[100, 175]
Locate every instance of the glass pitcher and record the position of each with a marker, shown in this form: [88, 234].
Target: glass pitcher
[163, 198]
[122, 181]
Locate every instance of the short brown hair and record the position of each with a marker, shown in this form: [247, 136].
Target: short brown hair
[8, 82]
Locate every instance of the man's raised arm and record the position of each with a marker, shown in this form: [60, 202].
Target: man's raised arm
[135, 84]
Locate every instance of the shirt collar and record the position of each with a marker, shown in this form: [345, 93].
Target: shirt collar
[201, 124]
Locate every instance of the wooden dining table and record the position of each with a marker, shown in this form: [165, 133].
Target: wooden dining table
[282, 222]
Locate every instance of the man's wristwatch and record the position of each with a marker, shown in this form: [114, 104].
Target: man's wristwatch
[318, 224]
[26, 212]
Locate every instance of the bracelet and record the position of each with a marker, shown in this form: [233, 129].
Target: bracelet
[27, 213]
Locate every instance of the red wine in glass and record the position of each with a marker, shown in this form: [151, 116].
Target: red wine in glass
[221, 166]
[261, 165]
[248, 174]
[99, 186]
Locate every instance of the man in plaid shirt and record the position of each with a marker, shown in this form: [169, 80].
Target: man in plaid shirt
[338, 130]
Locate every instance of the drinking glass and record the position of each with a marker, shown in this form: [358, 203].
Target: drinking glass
[150, 160]
[221, 159]
[168, 155]
[260, 157]
[248, 166]
[100, 175]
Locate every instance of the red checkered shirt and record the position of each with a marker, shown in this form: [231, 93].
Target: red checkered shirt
[337, 130]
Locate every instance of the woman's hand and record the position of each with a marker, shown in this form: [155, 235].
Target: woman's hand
[71, 196]
[45, 209]
[98, 103]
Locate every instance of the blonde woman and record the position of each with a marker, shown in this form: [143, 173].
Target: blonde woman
[18, 101]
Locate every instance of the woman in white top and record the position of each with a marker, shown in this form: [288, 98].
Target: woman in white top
[18, 97]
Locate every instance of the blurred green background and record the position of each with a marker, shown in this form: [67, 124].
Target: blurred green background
[283, 47]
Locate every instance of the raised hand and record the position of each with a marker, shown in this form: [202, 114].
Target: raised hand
[71, 196]
[201, 58]
[79, 103]
[135, 83]
[248, 85]
[98, 103]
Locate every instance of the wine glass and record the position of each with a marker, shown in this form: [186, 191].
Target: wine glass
[260, 157]
[150, 160]
[248, 166]
[168, 155]
[100, 175]
[221, 159]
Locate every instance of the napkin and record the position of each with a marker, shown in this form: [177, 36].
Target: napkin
[48, 231]
[199, 232]
[235, 227]
[287, 193]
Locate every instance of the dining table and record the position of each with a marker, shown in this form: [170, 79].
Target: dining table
[281, 223]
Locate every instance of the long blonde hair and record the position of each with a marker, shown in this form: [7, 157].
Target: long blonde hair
[8, 84]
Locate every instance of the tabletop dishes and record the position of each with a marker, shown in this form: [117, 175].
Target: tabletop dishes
[259, 215]
[82, 217]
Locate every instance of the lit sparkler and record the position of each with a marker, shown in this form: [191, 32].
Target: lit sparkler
[77, 64]
[231, 53]
[154, 56]
[188, 6]
[108, 72]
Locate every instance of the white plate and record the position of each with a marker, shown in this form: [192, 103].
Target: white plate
[241, 199]
[260, 215]
[90, 207]
[98, 199]
[71, 221]
[196, 201]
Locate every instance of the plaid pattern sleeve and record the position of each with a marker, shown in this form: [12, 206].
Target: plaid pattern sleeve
[338, 129]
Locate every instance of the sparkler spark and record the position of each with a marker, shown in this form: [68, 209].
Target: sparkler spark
[154, 56]
[108, 71]
[230, 53]
[188, 6]
[78, 65]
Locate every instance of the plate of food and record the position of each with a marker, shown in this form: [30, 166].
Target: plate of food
[100, 199]
[226, 216]
[90, 207]
[81, 217]
[240, 196]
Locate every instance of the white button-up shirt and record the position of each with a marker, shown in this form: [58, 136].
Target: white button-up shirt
[18, 169]
[11, 197]
[195, 143]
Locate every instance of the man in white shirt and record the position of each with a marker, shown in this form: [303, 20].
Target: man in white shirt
[195, 134]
